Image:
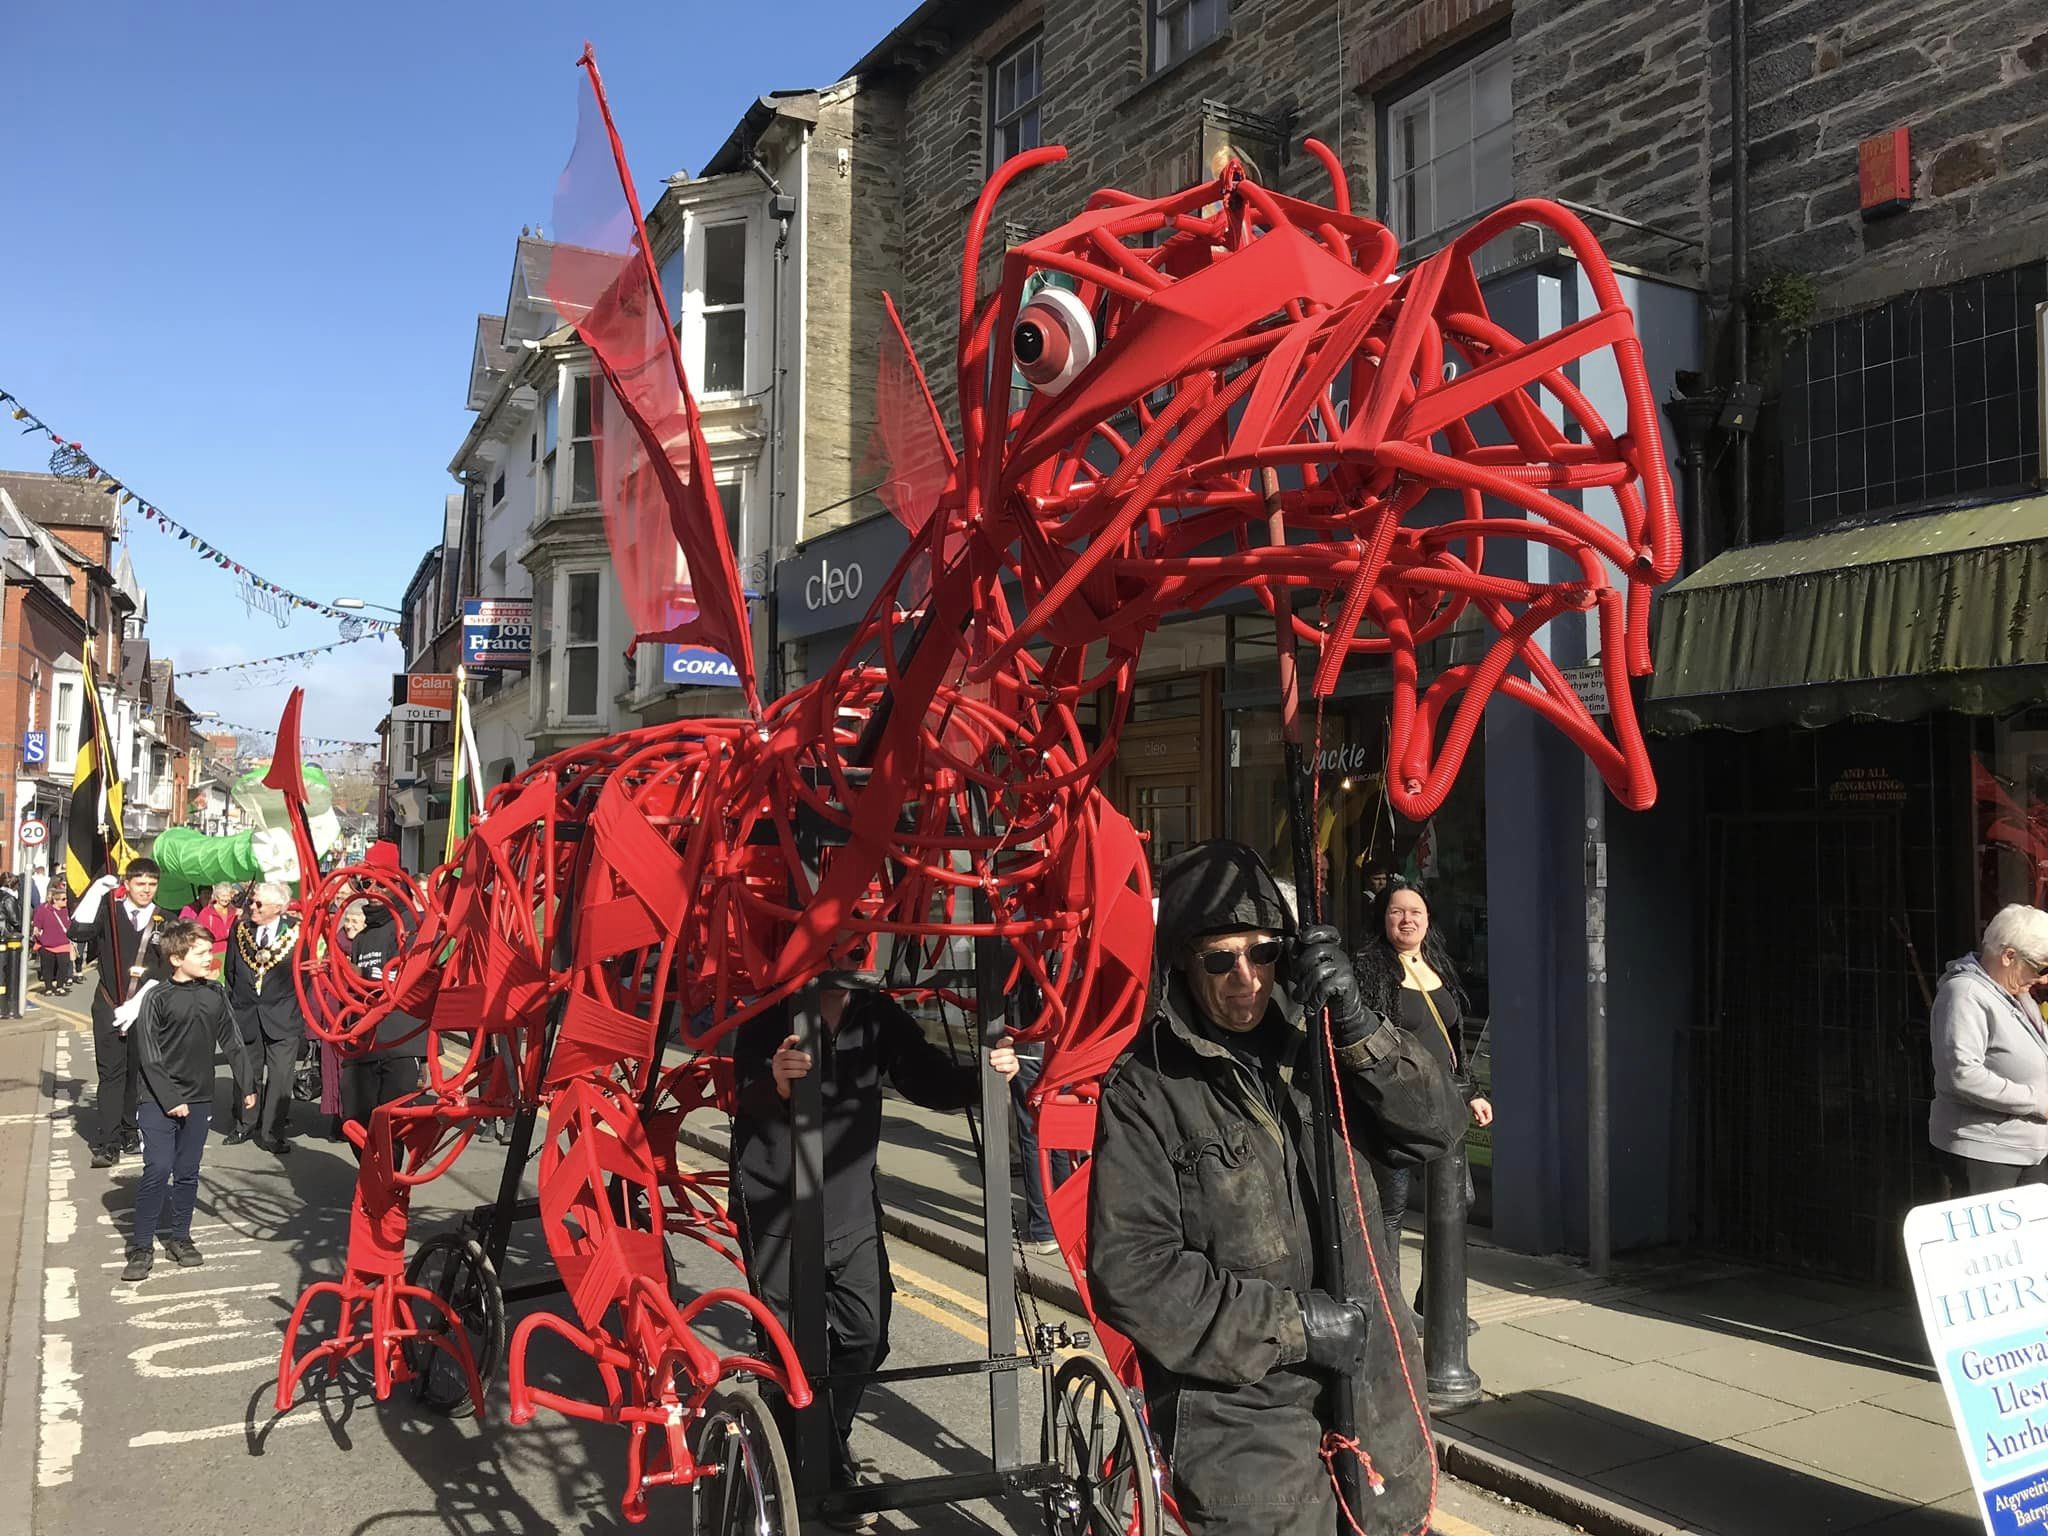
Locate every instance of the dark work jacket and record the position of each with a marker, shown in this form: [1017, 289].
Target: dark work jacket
[875, 1039]
[398, 1034]
[268, 1010]
[1198, 1202]
[112, 940]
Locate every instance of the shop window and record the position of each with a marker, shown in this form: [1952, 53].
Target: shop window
[2009, 789]
[1362, 840]
[1014, 86]
[1449, 148]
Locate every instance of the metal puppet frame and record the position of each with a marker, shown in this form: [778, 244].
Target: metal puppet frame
[1178, 437]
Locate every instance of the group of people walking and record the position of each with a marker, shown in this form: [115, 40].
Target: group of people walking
[171, 995]
[119, 928]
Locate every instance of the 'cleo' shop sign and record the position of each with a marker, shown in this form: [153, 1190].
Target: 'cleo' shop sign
[1980, 1266]
[497, 632]
[828, 583]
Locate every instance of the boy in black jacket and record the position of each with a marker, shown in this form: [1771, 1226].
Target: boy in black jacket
[177, 1028]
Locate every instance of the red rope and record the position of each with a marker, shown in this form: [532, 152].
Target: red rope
[1333, 1444]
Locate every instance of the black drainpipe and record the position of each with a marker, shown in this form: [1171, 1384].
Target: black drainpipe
[1738, 241]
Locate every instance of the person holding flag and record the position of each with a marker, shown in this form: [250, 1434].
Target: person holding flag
[120, 937]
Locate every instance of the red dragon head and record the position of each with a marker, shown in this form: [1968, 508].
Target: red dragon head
[1232, 388]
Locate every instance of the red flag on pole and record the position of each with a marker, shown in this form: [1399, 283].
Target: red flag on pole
[662, 516]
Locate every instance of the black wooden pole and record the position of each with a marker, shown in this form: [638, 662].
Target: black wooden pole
[1339, 1396]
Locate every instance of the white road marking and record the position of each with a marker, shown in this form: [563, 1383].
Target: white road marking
[155, 1297]
[31, 1117]
[63, 1429]
[63, 1217]
[126, 1219]
[234, 1431]
[225, 1253]
[177, 1312]
[60, 1295]
[145, 1358]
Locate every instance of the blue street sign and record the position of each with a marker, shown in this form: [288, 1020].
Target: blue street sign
[35, 749]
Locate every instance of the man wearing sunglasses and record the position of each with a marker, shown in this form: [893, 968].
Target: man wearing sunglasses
[1203, 1211]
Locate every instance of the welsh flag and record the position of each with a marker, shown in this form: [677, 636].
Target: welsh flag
[466, 794]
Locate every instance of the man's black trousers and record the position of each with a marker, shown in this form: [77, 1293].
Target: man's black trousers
[278, 1066]
[375, 1080]
[120, 1076]
[858, 1296]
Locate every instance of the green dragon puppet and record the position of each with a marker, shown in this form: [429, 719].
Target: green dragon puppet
[262, 850]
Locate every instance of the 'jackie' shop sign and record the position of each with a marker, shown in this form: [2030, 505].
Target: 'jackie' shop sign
[1980, 1266]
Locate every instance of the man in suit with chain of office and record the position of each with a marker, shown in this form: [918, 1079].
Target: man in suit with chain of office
[258, 976]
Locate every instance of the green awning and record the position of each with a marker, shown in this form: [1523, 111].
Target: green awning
[1947, 610]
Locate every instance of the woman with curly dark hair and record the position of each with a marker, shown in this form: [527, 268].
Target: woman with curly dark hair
[1408, 977]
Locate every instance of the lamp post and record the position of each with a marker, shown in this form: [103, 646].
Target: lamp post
[354, 604]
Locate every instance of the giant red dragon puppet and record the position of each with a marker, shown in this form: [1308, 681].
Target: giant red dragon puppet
[1181, 439]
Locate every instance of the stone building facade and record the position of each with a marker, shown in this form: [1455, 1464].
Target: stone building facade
[1967, 78]
[1612, 105]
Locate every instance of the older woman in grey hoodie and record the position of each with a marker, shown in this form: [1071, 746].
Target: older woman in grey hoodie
[1990, 1111]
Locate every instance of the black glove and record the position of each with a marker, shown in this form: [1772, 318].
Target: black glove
[1323, 978]
[1335, 1331]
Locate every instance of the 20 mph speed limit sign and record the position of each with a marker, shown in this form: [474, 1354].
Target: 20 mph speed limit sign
[33, 833]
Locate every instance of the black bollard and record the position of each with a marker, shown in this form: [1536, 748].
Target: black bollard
[1452, 1382]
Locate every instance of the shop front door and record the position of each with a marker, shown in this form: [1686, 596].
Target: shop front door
[1165, 776]
[1166, 808]
[1811, 1075]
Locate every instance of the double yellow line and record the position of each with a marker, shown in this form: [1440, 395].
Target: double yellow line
[941, 1303]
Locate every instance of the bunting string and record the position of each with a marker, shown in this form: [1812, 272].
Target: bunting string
[229, 728]
[272, 661]
[88, 468]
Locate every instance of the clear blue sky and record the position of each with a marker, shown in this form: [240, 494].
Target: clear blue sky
[247, 244]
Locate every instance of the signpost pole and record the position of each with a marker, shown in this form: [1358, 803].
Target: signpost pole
[27, 927]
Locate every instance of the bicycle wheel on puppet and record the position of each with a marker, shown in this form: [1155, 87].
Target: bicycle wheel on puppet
[1108, 1484]
[743, 1485]
[455, 1267]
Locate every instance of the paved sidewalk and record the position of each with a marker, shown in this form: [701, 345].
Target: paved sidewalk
[1680, 1395]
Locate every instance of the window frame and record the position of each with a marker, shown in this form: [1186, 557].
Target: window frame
[550, 432]
[64, 721]
[568, 645]
[1161, 14]
[1427, 83]
[1034, 105]
[582, 434]
[706, 310]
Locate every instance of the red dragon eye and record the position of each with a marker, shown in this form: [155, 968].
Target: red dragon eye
[1054, 340]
